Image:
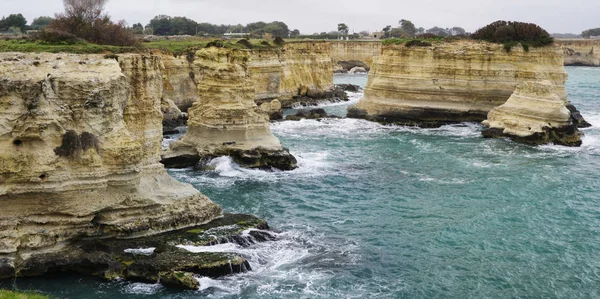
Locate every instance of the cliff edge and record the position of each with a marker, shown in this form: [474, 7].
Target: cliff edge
[452, 81]
[80, 143]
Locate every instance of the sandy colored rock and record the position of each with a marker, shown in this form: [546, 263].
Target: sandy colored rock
[363, 51]
[452, 82]
[296, 70]
[534, 114]
[80, 143]
[226, 120]
[179, 81]
[581, 52]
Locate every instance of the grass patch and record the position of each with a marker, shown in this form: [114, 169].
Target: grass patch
[4, 294]
[175, 47]
[40, 47]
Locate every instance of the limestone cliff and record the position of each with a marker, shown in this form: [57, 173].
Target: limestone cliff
[80, 142]
[301, 69]
[179, 78]
[452, 82]
[584, 52]
[226, 121]
[343, 52]
[534, 114]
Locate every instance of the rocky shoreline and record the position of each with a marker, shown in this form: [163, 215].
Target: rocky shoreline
[154, 258]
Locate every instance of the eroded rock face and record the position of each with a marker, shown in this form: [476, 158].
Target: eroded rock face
[179, 81]
[226, 121]
[452, 82]
[584, 52]
[300, 69]
[80, 143]
[534, 115]
[350, 54]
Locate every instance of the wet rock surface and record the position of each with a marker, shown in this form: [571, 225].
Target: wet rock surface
[156, 258]
[318, 113]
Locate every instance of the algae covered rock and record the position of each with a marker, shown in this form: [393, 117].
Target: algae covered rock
[179, 280]
[534, 115]
[173, 257]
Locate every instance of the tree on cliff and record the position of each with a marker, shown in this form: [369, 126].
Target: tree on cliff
[591, 32]
[41, 22]
[86, 19]
[387, 30]
[13, 21]
[343, 29]
[513, 33]
[408, 28]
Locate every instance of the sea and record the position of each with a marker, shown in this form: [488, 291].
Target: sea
[379, 211]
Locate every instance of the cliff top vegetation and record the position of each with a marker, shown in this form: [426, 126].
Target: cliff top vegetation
[175, 47]
[4, 294]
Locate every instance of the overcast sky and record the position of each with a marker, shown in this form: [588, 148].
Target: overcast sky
[309, 16]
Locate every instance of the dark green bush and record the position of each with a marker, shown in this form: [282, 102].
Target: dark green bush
[513, 33]
[279, 41]
[417, 43]
[58, 37]
[216, 44]
[246, 43]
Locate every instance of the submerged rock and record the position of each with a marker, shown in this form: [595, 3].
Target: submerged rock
[179, 280]
[577, 118]
[353, 64]
[318, 113]
[534, 115]
[357, 70]
[348, 87]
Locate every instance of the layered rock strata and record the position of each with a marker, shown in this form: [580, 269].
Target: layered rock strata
[226, 121]
[583, 52]
[350, 54]
[452, 82]
[80, 144]
[299, 73]
[534, 115]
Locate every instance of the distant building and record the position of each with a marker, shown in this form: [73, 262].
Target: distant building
[235, 35]
[377, 35]
[595, 37]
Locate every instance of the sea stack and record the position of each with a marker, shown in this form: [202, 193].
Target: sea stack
[430, 85]
[226, 121]
[534, 115]
[80, 146]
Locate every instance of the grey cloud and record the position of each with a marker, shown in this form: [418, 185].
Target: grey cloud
[324, 15]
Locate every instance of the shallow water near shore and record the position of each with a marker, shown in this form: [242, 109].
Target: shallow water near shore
[398, 212]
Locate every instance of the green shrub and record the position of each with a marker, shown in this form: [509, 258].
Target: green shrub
[58, 37]
[246, 43]
[279, 41]
[513, 33]
[417, 43]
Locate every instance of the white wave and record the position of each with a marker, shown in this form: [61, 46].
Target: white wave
[142, 288]
[141, 251]
[279, 263]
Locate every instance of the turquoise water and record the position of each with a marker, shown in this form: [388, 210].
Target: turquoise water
[397, 212]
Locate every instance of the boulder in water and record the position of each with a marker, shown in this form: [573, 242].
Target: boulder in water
[357, 70]
[534, 115]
